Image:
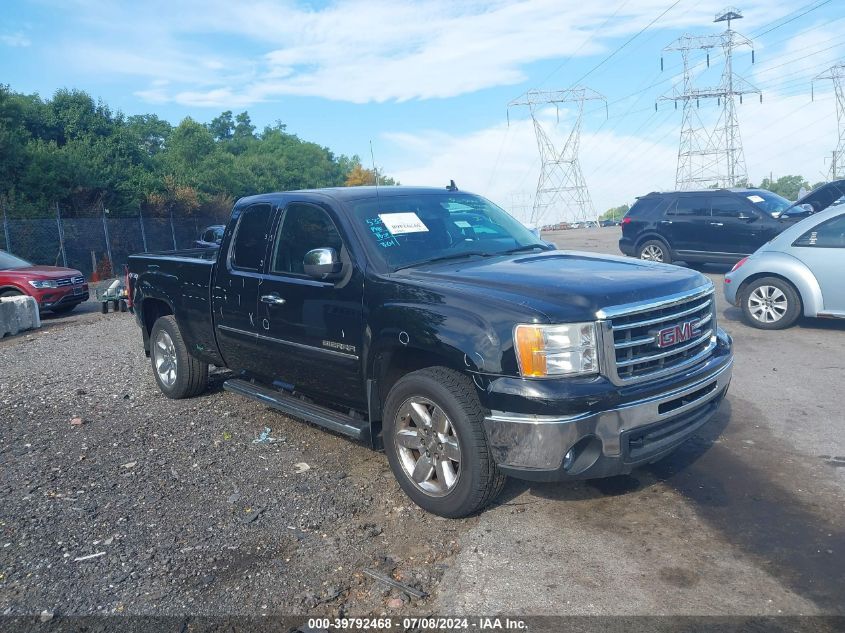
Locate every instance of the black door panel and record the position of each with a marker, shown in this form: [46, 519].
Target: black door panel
[684, 222]
[235, 294]
[312, 329]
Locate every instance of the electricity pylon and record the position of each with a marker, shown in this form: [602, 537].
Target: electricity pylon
[711, 156]
[521, 206]
[561, 189]
[836, 74]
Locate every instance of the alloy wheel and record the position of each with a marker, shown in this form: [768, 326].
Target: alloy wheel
[652, 253]
[165, 358]
[427, 445]
[767, 304]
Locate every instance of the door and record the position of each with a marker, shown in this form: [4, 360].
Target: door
[735, 227]
[313, 329]
[235, 292]
[684, 222]
[822, 249]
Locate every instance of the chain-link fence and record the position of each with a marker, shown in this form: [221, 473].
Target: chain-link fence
[97, 246]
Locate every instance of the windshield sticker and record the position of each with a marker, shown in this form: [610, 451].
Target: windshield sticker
[401, 223]
[383, 236]
[756, 198]
[462, 224]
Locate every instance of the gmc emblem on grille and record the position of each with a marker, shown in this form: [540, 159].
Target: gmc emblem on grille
[669, 336]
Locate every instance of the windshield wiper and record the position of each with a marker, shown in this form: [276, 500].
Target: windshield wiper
[443, 258]
[527, 247]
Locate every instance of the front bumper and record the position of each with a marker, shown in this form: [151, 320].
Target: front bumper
[56, 300]
[608, 441]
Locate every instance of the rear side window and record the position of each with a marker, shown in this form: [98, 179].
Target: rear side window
[725, 207]
[691, 206]
[251, 238]
[647, 206]
[830, 234]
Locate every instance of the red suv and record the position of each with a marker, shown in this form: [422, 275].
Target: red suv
[54, 288]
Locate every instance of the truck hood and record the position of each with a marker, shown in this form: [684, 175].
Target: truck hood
[562, 285]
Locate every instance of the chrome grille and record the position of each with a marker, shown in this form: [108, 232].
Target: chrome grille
[630, 336]
[70, 281]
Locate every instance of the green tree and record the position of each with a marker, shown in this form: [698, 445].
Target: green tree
[786, 186]
[615, 213]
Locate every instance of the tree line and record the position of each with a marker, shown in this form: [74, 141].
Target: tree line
[78, 153]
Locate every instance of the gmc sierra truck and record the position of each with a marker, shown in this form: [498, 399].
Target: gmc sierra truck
[431, 324]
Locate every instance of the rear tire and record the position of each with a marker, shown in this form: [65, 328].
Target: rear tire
[178, 374]
[436, 445]
[655, 251]
[770, 303]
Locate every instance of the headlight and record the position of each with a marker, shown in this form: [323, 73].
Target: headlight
[556, 350]
[43, 284]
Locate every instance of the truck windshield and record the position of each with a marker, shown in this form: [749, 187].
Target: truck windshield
[404, 231]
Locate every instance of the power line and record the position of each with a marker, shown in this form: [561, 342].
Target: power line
[584, 43]
[628, 41]
[774, 28]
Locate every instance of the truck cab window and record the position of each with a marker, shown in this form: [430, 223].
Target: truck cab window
[251, 238]
[304, 228]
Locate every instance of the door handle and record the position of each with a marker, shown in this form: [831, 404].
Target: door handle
[274, 300]
[665, 221]
[717, 224]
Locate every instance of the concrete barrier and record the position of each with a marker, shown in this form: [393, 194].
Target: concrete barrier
[18, 314]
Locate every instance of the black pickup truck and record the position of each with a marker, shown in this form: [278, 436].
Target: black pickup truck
[430, 323]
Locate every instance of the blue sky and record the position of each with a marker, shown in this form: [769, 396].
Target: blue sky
[429, 81]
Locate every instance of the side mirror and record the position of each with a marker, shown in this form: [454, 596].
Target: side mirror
[808, 208]
[322, 263]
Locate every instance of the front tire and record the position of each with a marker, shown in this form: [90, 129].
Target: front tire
[178, 374]
[436, 445]
[654, 251]
[770, 303]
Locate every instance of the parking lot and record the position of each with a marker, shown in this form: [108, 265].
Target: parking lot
[117, 500]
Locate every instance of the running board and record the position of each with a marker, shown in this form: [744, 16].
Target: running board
[314, 413]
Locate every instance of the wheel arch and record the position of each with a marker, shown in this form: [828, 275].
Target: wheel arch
[797, 275]
[152, 309]
[651, 235]
[9, 286]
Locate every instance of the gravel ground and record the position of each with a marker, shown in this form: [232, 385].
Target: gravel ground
[181, 513]
[177, 508]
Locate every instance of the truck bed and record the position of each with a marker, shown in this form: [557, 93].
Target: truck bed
[181, 282]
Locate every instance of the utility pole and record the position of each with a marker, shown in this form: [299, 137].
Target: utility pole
[711, 156]
[836, 74]
[561, 189]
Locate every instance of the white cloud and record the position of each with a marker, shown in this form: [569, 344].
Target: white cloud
[15, 40]
[356, 50]
[498, 161]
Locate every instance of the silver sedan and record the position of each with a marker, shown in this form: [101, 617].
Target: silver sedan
[801, 271]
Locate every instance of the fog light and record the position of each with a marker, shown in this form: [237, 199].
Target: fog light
[568, 459]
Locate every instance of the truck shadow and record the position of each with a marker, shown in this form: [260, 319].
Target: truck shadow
[784, 529]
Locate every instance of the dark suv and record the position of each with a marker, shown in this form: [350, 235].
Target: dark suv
[715, 225]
